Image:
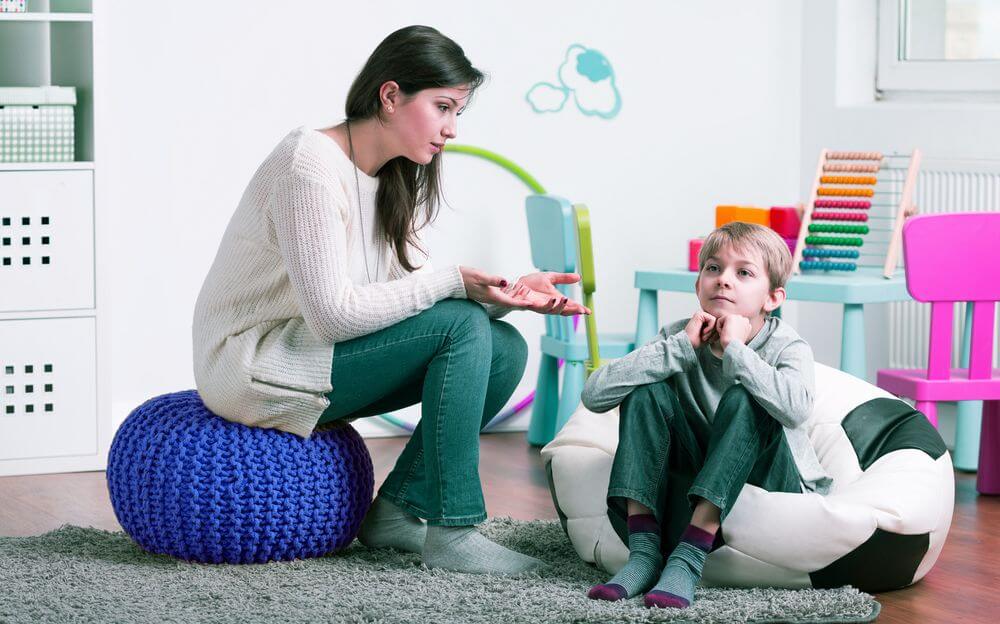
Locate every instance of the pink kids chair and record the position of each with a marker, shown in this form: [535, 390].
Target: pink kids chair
[949, 258]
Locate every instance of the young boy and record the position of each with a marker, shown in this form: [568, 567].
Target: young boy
[710, 404]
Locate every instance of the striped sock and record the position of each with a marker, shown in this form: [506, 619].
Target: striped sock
[644, 562]
[683, 570]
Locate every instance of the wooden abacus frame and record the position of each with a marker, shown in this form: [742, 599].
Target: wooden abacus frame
[904, 209]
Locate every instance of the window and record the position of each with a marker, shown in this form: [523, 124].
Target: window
[946, 46]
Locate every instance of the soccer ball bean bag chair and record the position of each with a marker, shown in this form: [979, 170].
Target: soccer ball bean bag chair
[881, 527]
[187, 483]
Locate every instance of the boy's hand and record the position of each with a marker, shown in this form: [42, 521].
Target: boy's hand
[733, 328]
[701, 328]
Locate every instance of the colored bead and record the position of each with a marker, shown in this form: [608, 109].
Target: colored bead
[839, 216]
[838, 228]
[829, 179]
[830, 253]
[845, 241]
[852, 168]
[826, 190]
[854, 155]
[814, 265]
[842, 203]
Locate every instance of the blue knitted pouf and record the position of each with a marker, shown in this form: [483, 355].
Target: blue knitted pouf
[187, 483]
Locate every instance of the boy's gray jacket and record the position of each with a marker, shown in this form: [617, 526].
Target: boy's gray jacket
[776, 368]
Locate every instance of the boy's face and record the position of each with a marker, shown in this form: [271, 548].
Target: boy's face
[735, 281]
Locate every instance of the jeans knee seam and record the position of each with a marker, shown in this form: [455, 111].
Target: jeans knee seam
[388, 344]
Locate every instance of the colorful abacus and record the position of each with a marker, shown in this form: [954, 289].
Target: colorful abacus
[853, 198]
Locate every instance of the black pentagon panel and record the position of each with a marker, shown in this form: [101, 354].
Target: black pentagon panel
[555, 501]
[886, 561]
[881, 426]
[719, 542]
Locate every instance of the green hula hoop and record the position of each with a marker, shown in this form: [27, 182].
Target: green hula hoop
[497, 159]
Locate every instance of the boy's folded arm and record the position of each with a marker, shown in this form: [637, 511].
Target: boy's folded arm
[657, 360]
[785, 390]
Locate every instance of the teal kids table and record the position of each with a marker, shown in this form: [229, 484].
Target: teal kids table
[852, 290]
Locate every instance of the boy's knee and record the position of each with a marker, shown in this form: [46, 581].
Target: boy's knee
[642, 398]
[738, 402]
[736, 396]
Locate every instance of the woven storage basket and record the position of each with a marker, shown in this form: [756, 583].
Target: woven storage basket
[36, 124]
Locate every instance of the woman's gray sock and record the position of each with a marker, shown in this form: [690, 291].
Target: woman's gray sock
[387, 526]
[463, 549]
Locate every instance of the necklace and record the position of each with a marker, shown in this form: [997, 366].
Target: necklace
[361, 210]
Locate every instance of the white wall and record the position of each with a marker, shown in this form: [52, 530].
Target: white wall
[197, 96]
[839, 111]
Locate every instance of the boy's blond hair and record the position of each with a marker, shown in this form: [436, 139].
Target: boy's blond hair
[750, 236]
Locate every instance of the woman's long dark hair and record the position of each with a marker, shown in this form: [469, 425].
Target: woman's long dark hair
[416, 58]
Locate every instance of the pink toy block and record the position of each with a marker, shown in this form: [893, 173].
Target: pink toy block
[785, 221]
[694, 248]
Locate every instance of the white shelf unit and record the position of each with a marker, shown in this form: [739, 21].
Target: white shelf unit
[54, 343]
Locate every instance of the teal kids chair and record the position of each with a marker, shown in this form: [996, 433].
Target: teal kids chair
[552, 233]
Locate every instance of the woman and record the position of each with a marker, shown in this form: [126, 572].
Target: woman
[321, 307]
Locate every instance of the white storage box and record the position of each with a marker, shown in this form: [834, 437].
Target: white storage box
[46, 240]
[48, 389]
[36, 124]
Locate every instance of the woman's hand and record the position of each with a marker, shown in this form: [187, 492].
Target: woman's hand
[485, 288]
[545, 298]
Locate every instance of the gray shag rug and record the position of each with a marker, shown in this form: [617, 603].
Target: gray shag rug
[88, 575]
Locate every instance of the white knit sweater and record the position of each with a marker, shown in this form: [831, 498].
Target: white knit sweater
[279, 294]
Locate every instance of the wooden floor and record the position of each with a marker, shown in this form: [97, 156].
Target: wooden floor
[962, 587]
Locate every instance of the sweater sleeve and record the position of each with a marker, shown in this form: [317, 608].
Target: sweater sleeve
[785, 390]
[312, 238]
[664, 356]
[492, 310]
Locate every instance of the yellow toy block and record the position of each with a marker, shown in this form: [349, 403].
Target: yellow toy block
[747, 214]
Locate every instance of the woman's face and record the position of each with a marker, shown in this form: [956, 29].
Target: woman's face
[423, 122]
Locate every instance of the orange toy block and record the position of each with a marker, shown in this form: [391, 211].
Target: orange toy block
[747, 214]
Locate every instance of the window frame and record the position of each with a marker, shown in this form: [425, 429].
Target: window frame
[895, 74]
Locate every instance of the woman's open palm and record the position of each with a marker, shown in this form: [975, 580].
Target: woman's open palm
[540, 289]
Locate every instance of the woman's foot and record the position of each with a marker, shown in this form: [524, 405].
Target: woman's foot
[463, 549]
[387, 526]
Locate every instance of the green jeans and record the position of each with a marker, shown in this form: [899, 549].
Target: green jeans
[462, 367]
[667, 459]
